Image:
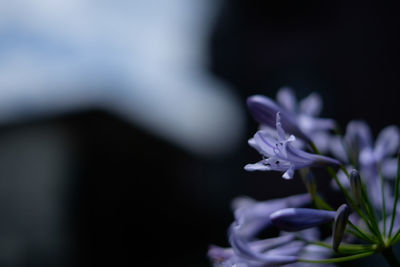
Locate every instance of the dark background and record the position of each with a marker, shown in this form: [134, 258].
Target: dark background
[139, 201]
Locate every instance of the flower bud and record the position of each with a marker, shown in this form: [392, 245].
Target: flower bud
[355, 184]
[339, 225]
[296, 219]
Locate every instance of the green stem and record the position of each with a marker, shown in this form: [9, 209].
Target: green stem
[360, 233]
[321, 204]
[383, 204]
[314, 147]
[347, 248]
[396, 196]
[343, 168]
[350, 199]
[371, 222]
[395, 238]
[371, 213]
[340, 259]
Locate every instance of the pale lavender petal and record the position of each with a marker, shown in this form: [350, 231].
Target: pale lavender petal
[243, 249]
[342, 177]
[271, 243]
[286, 98]
[289, 173]
[311, 105]
[226, 257]
[371, 176]
[322, 140]
[292, 248]
[252, 142]
[297, 200]
[264, 110]
[242, 203]
[252, 216]
[265, 142]
[389, 168]
[309, 234]
[367, 157]
[269, 130]
[279, 129]
[304, 159]
[387, 142]
[295, 219]
[337, 148]
[358, 136]
[310, 124]
[259, 166]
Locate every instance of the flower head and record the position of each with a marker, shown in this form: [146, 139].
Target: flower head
[298, 119]
[372, 158]
[280, 155]
[251, 217]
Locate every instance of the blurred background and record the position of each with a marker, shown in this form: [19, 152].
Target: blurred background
[123, 125]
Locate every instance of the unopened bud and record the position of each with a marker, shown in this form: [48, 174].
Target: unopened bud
[296, 219]
[339, 225]
[355, 184]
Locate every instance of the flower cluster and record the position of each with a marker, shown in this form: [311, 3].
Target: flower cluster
[291, 138]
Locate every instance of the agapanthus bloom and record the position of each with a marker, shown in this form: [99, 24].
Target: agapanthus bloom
[369, 221]
[251, 217]
[357, 147]
[279, 154]
[298, 119]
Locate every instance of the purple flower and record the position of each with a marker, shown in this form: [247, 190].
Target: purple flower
[296, 219]
[269, 252]
[299, 120]
[251, 218]
[372, 158]
[358, 143]
[280, 155]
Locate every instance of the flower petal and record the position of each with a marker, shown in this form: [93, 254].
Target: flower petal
[252, 216]
[264, 110]
[387, 142]
[292, 248]
[358, 136]
[337, 148]
[310, 124]
[286, 98]
[311, 105]
[244, 249]
[389, 168]
[289, 173]
[321, 140]
[259, 166]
